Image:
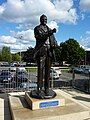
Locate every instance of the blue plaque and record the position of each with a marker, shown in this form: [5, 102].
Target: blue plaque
[49, 104]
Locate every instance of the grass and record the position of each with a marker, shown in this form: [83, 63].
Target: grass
[31, 69]
[64, 70]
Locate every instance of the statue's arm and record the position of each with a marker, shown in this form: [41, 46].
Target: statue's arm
[42, 35]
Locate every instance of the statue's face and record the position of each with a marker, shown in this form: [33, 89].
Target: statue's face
[44, 20]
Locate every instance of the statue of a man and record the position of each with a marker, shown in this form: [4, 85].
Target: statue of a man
[45, 43]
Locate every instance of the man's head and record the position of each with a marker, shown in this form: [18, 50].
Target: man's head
[43, 19]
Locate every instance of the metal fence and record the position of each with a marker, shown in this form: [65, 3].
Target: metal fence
[17, 79]
[25, 79]
[81, 81]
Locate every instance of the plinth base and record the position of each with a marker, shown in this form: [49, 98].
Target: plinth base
[41, 94]
[44, 103]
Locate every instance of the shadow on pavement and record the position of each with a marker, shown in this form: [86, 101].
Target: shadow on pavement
[82, 98]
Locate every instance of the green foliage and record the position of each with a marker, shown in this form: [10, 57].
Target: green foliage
[71, 52]
[6, 54]
[57, 54]
[15, 57]
[28, 55]
[0, 56]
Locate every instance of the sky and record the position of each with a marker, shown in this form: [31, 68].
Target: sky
[18, 19]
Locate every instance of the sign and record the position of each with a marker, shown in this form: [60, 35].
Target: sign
[49, 104]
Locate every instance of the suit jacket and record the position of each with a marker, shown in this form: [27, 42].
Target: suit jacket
[41, 36]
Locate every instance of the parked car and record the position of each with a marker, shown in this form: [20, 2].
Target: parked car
[53, 74]
[21, 69]
[13, 69]
[5, 76]
[28, 85]
[57, 69]
[21, 76]
[87, 70]
[78, 70]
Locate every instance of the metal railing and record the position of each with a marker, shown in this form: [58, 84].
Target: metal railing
[13, 79]
[17, 79]
[81, 81]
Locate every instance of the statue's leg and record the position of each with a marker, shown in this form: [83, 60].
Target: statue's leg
[40, 74]
[47, 74]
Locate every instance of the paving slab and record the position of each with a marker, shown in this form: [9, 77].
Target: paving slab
[21, 111]
[79, 96]
[4, 107]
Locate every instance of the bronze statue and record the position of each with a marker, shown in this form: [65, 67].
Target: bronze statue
[45, 43]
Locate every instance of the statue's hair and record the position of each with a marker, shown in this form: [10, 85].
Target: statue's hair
[42, 16]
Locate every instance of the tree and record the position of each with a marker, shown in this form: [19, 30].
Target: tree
[57, 54]
[6, 54]
[71, 52]
[0, 56]
[15, 57]
[27, 56]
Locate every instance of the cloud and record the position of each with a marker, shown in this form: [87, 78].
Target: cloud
[20, 11]
[20, 42]
[16, 47]
[53, 24]
[85, 5]
[85, 40]
[1, 9]
[27, 35]
[7, 39]
[26, 13]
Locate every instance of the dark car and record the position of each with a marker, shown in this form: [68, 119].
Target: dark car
[5, 76]
[21, 76]
[78, 70]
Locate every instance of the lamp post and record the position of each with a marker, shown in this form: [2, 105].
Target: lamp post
[20, 37]
[85, 57]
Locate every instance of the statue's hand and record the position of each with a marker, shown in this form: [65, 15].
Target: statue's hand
[54, 30]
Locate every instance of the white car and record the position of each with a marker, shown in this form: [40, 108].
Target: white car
[57, 69]
[53, 74]
[21, 69]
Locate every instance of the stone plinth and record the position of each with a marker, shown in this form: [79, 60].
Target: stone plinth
[44, 103]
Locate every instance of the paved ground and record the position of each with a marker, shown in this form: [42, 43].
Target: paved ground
[4, 107]
[80, 97]
[71, 111]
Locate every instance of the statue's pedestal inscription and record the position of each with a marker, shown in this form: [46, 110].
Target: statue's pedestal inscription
[44, 103]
